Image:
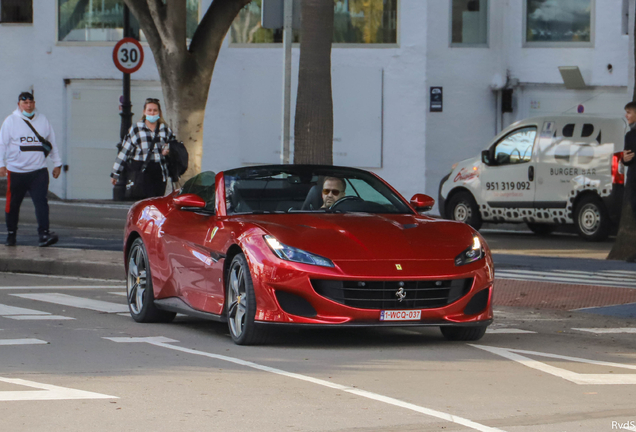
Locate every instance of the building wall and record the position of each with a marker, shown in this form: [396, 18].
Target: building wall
[418, 147]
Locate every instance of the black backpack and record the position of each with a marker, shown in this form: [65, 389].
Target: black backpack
[177, 160]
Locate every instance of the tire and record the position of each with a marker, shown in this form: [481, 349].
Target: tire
[463, 208]
[240, 304]
[591, 219]
[141, 301]
[472, 333]
[541, 229]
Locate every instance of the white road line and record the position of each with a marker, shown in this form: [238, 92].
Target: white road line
[165, 343]
[62, 287]
[39, 317]
[577, 378]
[50, 392]
[608, 330]
[29, 341]
[566, 280]
[78, 302]
[568, 273]
[508, 330]
[13, 310]
[64, 277]
[123, 294]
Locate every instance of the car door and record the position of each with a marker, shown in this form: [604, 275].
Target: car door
[507, 182]
[184, 234]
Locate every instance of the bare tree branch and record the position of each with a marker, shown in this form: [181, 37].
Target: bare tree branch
[158, 14]
[213, 28]
[175, 19]
[139, 9]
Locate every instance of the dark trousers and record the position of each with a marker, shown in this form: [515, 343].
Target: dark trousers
[155, 185]
[37, 184]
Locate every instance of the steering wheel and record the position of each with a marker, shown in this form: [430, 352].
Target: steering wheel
[343, 199]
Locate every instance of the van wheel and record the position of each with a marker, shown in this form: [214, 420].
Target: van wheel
[591, 219]
[541, 229]
[463, 208]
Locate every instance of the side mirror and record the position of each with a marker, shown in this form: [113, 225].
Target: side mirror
[422, 203]
[188, 202]
[485, 157]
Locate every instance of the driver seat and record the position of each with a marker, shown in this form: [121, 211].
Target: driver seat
[313, 201]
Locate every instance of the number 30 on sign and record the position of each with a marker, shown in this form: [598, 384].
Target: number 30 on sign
[128, 55]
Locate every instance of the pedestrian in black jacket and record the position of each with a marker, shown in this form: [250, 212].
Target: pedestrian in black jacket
[628, 154]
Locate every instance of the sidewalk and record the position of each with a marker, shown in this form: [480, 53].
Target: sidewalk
[62, 262]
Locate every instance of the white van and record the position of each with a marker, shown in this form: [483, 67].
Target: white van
[543, 171]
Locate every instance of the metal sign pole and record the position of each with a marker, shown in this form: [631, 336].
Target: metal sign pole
[287, 57]
[126, 106]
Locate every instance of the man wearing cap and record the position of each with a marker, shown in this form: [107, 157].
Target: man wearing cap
[26, 139]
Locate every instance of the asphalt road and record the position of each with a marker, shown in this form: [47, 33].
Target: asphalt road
[72, 360]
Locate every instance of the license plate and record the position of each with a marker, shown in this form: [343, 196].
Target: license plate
[400, 315]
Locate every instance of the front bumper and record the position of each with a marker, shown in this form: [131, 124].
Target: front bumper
[285, 294]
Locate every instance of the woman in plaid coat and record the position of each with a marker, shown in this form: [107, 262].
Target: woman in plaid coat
[146, 144]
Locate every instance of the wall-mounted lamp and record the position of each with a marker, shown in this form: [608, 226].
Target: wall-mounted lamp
[572, 77]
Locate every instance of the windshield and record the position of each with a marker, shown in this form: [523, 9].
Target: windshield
[307, 188]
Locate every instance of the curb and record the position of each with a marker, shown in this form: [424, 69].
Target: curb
[62, 262]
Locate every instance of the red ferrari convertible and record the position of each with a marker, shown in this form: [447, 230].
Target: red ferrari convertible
[304, 245]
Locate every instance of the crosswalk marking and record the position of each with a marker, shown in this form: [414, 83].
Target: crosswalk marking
[38, 317]
[612, 278]
[508, 331]
[60, 287]
[45, 392]
[26, 341]
[6, 310]
[608, 330]
[78, 302]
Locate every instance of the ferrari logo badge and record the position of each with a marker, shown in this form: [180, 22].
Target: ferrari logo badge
[400, 294]
[398, 266]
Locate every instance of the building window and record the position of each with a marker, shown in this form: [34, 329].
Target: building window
[559, 22]
[16, 11]
[355, 22]
[469, 22]
[103, 20]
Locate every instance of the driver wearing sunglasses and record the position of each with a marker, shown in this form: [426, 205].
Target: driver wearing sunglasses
[333, 189]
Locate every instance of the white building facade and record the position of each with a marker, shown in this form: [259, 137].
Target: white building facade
[491, 61]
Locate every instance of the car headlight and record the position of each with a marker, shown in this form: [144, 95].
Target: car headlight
[474, 253]
[289, 253]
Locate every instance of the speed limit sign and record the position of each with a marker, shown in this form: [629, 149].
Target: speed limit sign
[128, 55]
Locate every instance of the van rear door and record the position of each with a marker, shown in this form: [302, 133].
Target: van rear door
[508, 179]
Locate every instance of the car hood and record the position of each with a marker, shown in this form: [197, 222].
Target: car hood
[363, 236]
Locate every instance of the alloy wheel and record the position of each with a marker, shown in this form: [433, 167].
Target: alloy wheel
[237, 300]
[137, 281]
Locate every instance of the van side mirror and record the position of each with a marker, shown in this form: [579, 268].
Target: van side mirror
[485, 157]
[422, 203]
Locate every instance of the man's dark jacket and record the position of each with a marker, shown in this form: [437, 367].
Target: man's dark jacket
[630, 181]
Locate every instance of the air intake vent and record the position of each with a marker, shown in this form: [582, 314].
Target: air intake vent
[387, 294]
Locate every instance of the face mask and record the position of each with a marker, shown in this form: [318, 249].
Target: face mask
[29, 115]
[152, 119]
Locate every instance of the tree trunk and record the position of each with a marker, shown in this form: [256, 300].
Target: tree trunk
[624, 248]
[313, 128]
[185, 71]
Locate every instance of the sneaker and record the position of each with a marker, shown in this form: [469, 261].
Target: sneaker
[10, 239]
[48, 239]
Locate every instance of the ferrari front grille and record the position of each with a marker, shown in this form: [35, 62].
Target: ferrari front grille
[384, 295]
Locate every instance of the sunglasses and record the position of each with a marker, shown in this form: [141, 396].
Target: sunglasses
[152, 100]
[335, 192]
[26, 98]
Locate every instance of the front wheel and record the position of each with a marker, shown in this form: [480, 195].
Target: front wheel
[463, 333]
[141, 299]
[463, 208]
[591, 219]
[240, 303]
